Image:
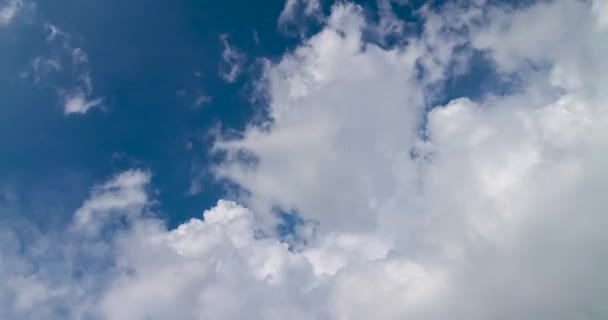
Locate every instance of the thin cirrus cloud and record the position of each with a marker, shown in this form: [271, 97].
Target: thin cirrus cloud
[63, 56]
[77, 99]
[233, 61]
[497, 210]
[202, 100]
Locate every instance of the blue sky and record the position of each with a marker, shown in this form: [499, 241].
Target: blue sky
[149, 65]
[303, 159]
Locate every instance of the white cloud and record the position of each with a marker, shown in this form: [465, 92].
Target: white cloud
[500, 213]
[11, 9]
[79, 98]
[41, 67]
[219, 268]
[337, 110]
[55, 33]
[600, 9]
[125, 193]
[494, 181]
[202, 100]
[233, 61]
[296, 12]
[79, 56]
[389, 23]
[65, 57]
[61, 274]
[79, 104]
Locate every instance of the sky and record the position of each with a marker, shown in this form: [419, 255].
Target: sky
[304, 159]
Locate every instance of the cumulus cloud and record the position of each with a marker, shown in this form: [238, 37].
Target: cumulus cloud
[486, 181]
[124, 193]
[49, 275]
[492, 208]
[115, 254]
[339, 107]
[309, 7]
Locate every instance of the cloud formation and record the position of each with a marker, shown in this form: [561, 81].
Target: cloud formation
[65, 57]
[492, 208]
[296, 14]
[232, 62]
[483, 198]
[11, 9]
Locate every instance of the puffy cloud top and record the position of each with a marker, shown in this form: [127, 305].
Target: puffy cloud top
[491, 208]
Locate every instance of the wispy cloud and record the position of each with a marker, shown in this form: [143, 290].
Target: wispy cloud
[77, 102]
[295, 8]
[202, 100]
[11, 9]
[66, 58]
[471, 209]
[233, 61]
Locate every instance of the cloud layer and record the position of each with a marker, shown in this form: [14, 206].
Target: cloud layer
[492, 208]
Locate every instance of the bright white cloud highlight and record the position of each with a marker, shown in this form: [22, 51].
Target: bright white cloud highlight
[78, 103]
[494, 186]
